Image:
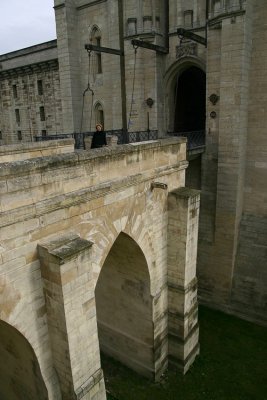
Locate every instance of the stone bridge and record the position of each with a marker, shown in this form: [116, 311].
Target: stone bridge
[97, 251]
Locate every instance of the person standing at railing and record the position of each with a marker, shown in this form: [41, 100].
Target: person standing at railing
[99, 138]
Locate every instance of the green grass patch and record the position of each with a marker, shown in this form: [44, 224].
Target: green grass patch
[232, 365]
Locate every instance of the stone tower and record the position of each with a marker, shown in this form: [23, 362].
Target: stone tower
[193, 88]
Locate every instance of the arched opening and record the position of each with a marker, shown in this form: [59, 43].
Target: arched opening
[99, 114]
[20, 375]
[124, 307]
[190, 100]
[190, 118]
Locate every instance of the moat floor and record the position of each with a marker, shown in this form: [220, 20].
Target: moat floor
[232, 365]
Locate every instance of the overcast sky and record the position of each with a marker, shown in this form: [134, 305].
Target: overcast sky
[25, 23]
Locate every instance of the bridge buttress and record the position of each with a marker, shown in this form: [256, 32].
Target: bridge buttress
[67, 279]
[183, 331]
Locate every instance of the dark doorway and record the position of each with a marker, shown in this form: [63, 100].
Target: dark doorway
[190, 101]
[20, 375]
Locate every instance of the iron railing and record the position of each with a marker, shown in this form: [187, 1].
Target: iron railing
[123, 137]
[129, 137]
[195, 139]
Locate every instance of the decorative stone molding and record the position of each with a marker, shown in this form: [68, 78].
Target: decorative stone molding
[185, 50]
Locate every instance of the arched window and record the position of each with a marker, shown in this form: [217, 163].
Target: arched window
[99, 114]
[96, 41]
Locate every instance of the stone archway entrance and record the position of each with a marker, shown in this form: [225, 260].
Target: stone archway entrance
[189, 118]
[190, 100]
[124, 307]
[20, 375]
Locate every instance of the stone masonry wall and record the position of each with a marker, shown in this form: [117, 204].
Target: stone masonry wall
[224, 161]
[21, 99]
[82, 194]
[250, 276]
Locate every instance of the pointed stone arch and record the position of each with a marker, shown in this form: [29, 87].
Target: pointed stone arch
[20, 374]
[170, 81]
[125, 308]
[99, 113]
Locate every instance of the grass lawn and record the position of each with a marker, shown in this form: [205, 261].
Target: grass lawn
[232, 365]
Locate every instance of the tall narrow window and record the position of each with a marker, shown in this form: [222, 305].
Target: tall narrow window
[98, 57]
[42, 113]
[17, 116]
[15, 91]
[96, 40]
[44, 133]
[19, 135]
[1, 136]
[40, 87]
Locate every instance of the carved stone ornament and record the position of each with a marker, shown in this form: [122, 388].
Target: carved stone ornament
[184, 50]
[214, 98]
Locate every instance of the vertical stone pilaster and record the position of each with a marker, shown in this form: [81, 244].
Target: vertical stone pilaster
[69, 64]
[71, 317]
[183, 209]
[234, 100]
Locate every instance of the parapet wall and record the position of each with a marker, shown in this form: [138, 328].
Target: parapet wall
[28, 150]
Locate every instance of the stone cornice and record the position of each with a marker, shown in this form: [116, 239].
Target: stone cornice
[72, 159]
[29, 50]
[90, 4]
[218, 19]
[29, 69]
[75, 198]
[62, 5]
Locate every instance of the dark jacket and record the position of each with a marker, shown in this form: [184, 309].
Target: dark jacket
[99, 140]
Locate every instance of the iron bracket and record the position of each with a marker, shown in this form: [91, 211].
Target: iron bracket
[184, 33]
[149, 46]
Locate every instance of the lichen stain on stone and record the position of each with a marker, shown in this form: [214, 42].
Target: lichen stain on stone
[9, 298]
